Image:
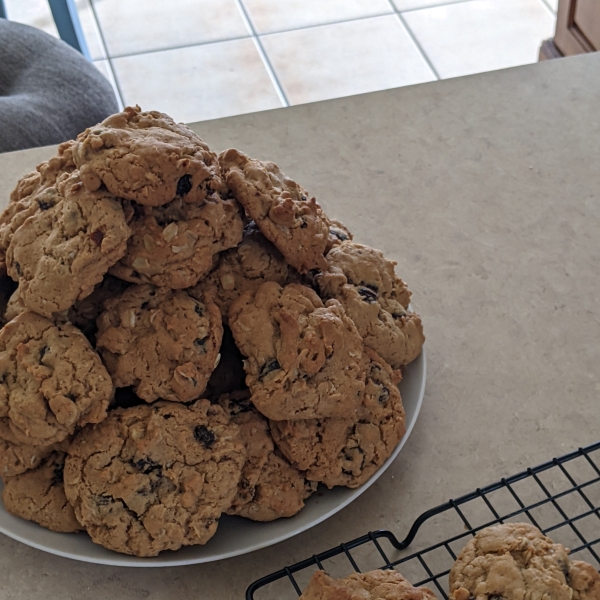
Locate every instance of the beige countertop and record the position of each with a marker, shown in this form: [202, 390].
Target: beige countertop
[486, 190]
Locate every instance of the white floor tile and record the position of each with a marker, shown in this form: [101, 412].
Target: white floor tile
[35, 13]
[269, 16]
[104, 68]
[416, 4]
[481, 35]
[198, 83]
[90, 29]
[553, 4]
[344, 59]
[135, 26]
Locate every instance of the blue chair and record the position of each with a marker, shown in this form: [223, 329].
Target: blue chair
[67, 22]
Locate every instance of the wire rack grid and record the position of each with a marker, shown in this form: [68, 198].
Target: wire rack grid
[561, 497]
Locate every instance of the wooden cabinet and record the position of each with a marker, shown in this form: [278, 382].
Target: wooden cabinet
[577, 29]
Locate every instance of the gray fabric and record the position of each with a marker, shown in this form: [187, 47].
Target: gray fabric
[48, 92]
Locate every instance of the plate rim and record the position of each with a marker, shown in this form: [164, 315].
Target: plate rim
[138, 562]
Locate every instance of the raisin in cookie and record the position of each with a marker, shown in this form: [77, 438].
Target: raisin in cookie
[162, 342]
[38, 495]
[29, 195]
[338, 233]
[62, 251]
[175, 245]
[304, 359]
[511, 561]
[154, 477]
[146, 157]
[348, 451]
[270, 487]
[51, 381]
[282, 210]
[364, 282]
[374, 585]
[244, 269]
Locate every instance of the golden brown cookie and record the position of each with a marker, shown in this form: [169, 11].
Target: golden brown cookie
[162, 342]
[585, 581]
[176, 244]
[347, 451]
[244, 269]
[38, 495]
[374, 585]
[14, 306]
[18, 458]
[146, 157]
[511, 561]
[29, 195]
[62, 251]
[154, 477]
[281, 209]
[270, 487]
[304, 359]
[51, 381]
[364, 282]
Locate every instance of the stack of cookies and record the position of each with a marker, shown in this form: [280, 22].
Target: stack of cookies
[186, 335]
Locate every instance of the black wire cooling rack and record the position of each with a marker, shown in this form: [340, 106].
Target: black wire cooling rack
[560, 497]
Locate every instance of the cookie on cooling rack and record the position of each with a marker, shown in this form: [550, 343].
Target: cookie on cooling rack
[146, 157]
[162, 342]
[282, 210]
[270, 487]
[585, 581]
[304, 358]
[154, 477]
[374, 585]
[51, 381]
[38, 495]
[511, 561]
[348, 451]
[364, 282]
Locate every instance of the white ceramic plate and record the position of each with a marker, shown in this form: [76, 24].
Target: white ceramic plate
[235, 535]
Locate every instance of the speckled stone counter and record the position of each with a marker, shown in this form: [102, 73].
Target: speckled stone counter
[486, 190]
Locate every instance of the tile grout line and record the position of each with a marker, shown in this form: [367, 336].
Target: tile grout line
[182, 47]
[108, 56]
[439, 5]
[547, 5]
[303, 27]
[263, 55]
[415, 41]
